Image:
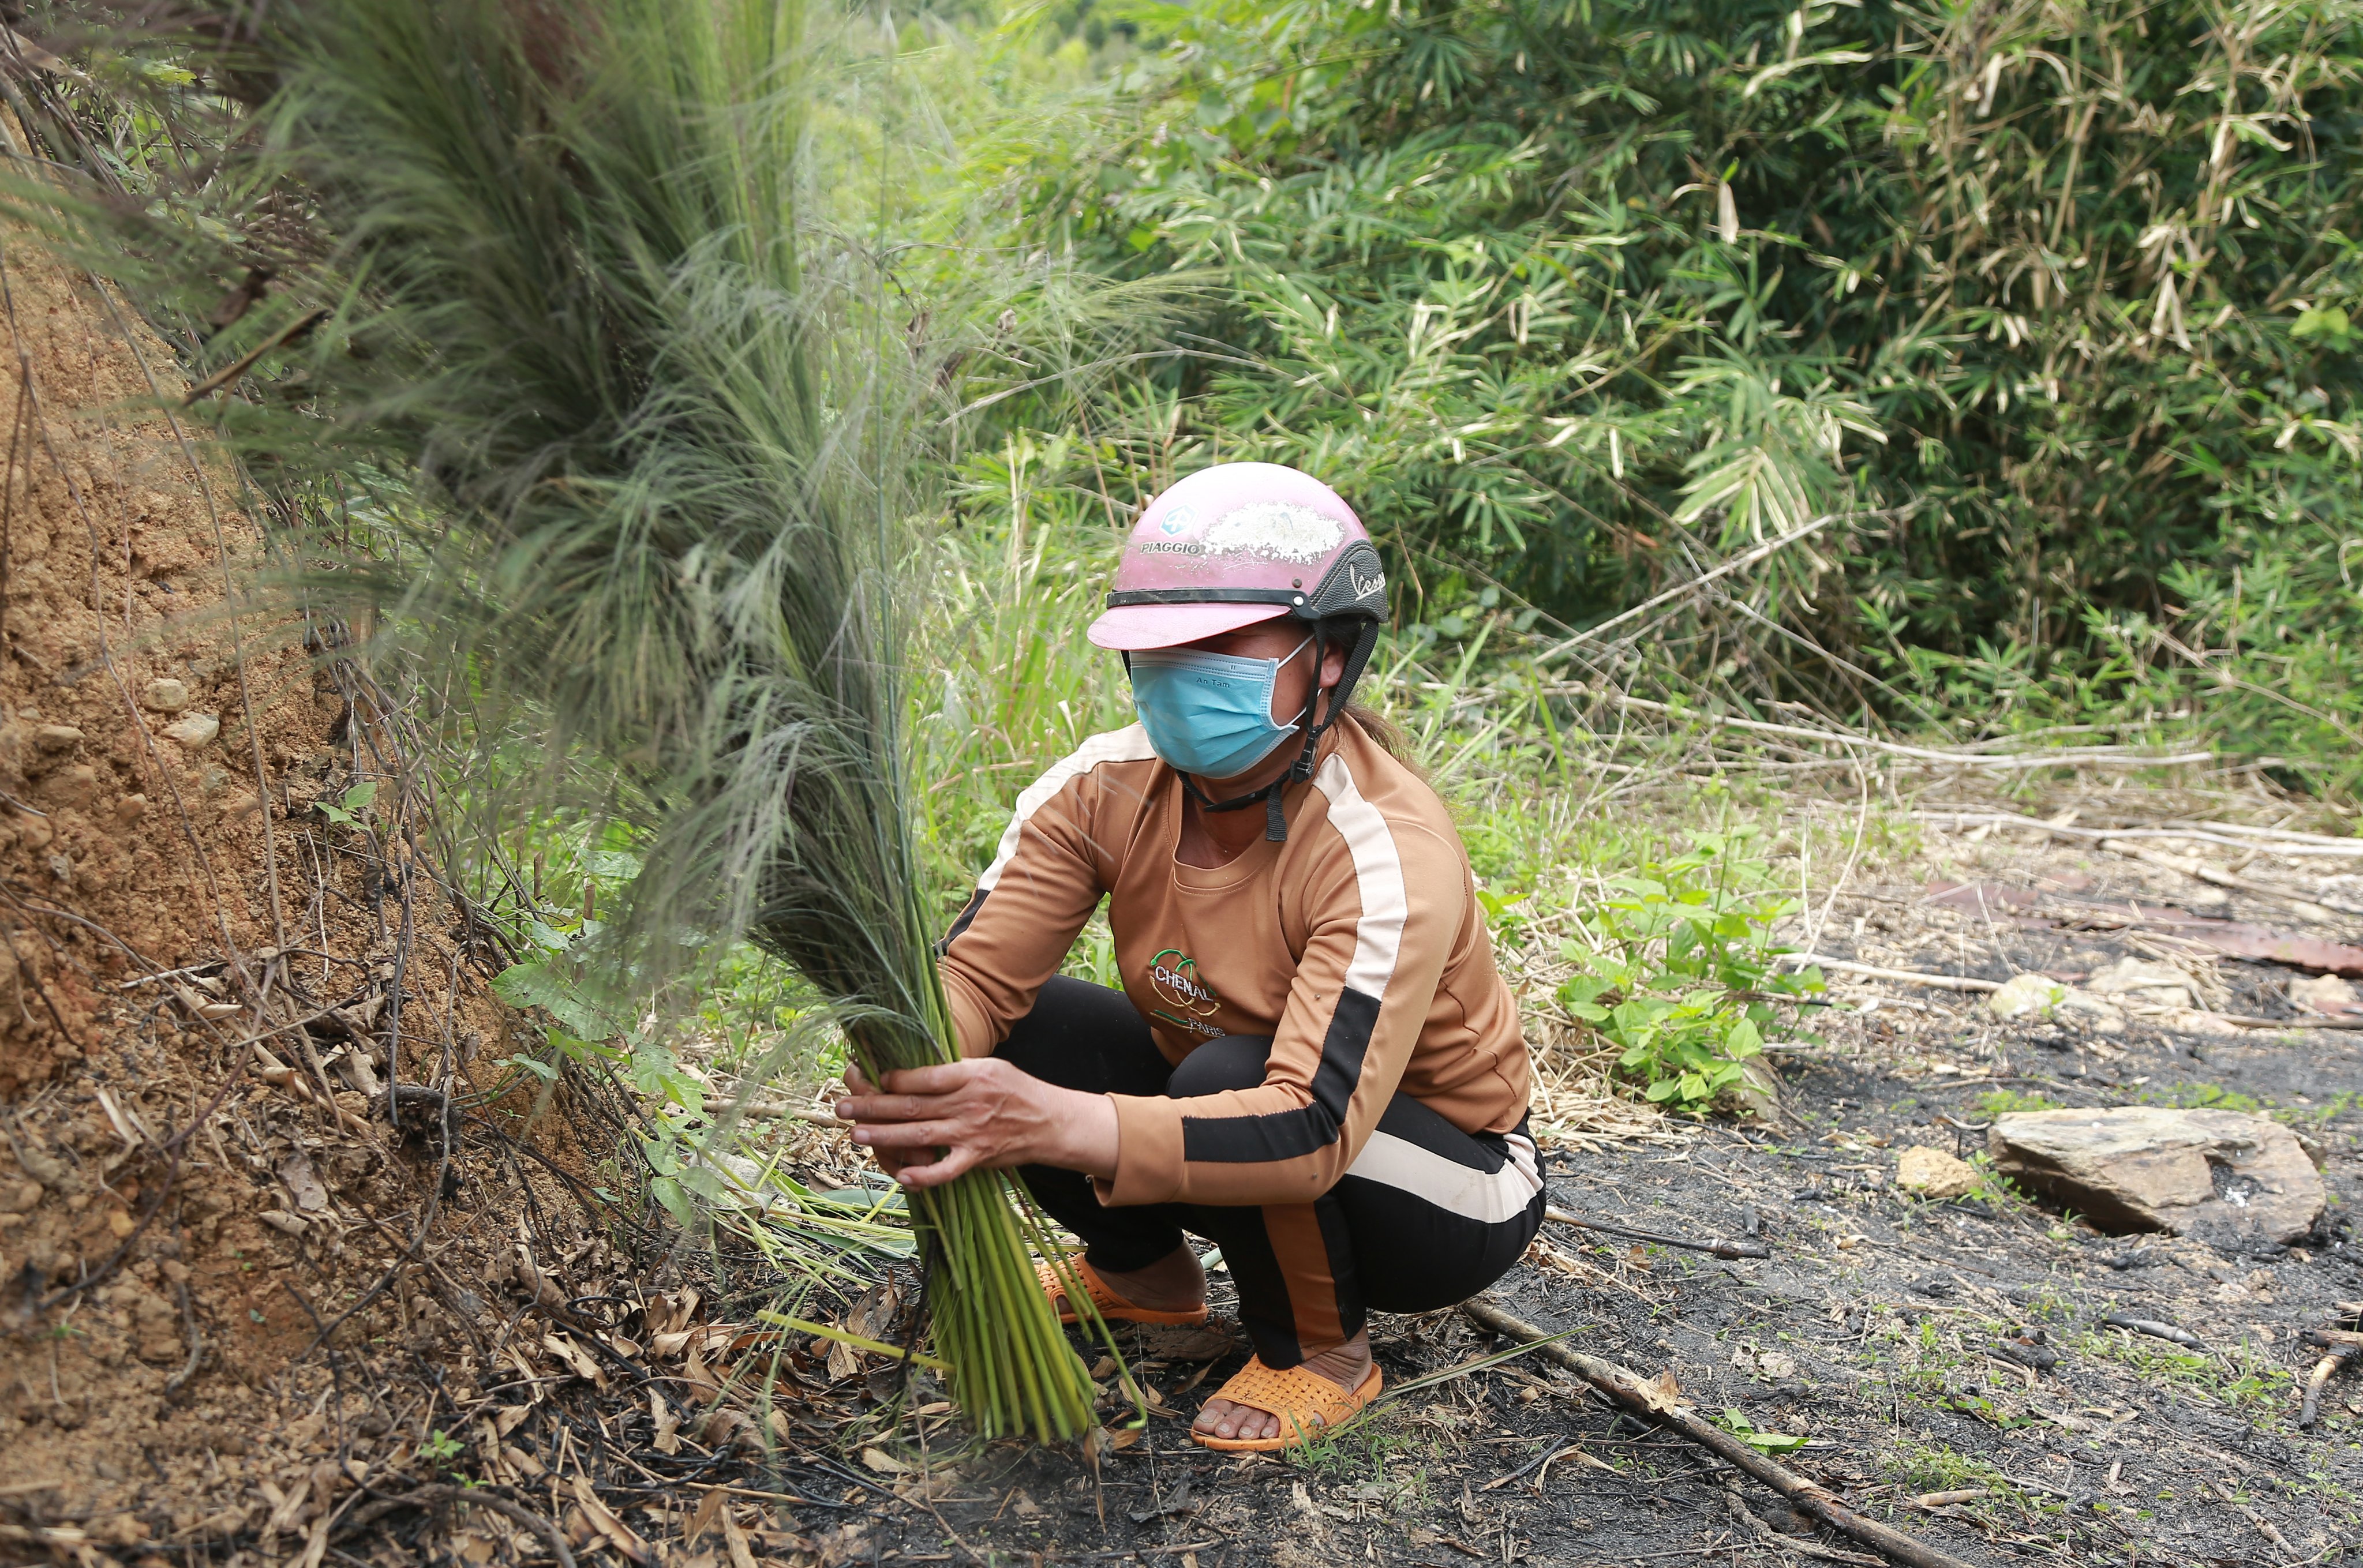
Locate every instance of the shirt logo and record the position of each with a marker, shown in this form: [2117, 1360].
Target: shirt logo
[1173, 975]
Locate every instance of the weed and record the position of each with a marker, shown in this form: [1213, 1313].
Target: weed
[1678, 968]
[2201, 1097]
[1932, 1467]
[2006, 1101]
[1358, 1449]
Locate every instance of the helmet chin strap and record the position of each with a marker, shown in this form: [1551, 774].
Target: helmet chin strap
[1275, 821]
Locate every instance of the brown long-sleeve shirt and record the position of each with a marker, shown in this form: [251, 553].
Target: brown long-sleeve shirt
[1358, 945]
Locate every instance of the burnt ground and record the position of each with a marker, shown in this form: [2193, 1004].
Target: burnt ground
[1874, 1330]
[618, 1387]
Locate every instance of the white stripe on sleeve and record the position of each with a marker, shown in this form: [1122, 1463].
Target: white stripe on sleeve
[1127, 744]
[1378, 873]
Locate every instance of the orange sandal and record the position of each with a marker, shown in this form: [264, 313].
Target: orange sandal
[1113, 1308]
[1305, 1403]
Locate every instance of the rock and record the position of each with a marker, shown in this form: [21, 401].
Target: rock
[1756, 1093]
[71, 786]
[56, 737]
[1931, 1173]
[2325, 994]
[131, 809]
[2094, 1012]
[2027, 996]
[2148, 1168]
[197, 729]
[2140, 980]
[166, 695]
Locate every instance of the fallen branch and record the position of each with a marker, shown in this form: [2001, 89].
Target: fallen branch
[2343, 1349]
[2318, 908]
[773, 1108]
[1719, 1248]
[1907, 976]
[2003, 762]
[1627, 1392]
[2264, 1525]
[2292, 844]
[2157, 1331]
[2250, 1021]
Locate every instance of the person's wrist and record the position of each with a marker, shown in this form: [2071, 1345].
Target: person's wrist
[1080, 1132]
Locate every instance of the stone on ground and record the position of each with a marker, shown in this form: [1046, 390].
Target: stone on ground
[2027, 996]
[2144, 981]
[1931, 1173]
[2141, 1167]
[2325, 994]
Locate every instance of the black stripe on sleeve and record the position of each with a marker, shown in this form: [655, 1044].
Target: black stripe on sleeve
[1290, 1135]
[975, 903]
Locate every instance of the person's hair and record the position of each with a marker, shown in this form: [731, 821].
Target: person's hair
[1384, 730]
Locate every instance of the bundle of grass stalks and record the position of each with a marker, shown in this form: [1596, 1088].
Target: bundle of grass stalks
[639, 434]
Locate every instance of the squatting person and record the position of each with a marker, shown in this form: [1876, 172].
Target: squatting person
[1312, 1063]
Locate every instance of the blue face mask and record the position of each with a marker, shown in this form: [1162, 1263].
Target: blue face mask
[1209, 713]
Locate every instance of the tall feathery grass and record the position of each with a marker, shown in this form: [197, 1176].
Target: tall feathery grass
[648, 433]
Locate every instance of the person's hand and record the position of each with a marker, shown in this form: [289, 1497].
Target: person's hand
[927, 1125]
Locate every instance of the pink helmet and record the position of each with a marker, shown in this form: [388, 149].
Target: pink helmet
[1236, 544]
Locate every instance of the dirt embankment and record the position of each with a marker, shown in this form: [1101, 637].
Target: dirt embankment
[206, 985]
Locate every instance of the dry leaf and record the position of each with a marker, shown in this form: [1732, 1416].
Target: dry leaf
[874, 1316]
[884, 1463]
[668, 1425]
[742, 1554]
[575, 1356]
[844, 1361]
[315, 1546]
[724, 1425]
[694, 1372]
[288, 1507]
[1101, 1441]
[1661, 1392]
[618, 1534]
[506, 1418]
[702, 1520]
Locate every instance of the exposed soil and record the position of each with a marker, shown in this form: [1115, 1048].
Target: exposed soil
[204, 988]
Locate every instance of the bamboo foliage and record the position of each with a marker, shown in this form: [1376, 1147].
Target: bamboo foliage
[2055, 301]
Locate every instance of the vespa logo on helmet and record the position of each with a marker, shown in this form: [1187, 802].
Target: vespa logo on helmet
[1364, 586]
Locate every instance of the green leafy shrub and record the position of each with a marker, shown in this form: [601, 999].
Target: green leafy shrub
[1679, 968]
[2058, 302]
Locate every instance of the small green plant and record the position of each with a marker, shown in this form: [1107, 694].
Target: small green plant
[2201, 1097]
[1681, 969]
[440, 1447]
[352, 807]
[1359, 1451]
[1740, 1427]
[2006, 1101]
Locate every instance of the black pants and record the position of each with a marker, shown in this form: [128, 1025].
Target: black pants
[1427, 1216]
